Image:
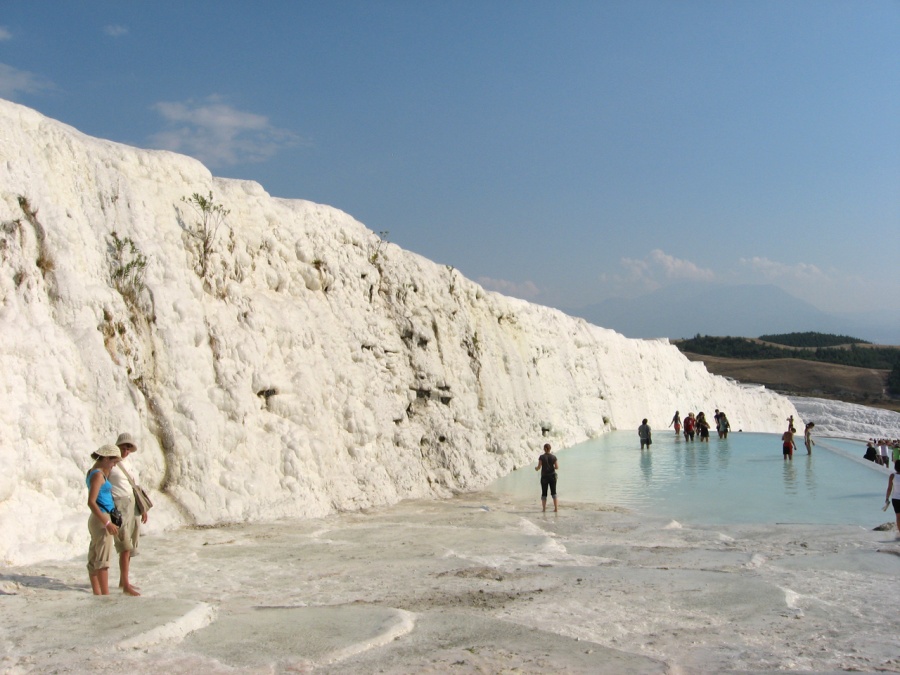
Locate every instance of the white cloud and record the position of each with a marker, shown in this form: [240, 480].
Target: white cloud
[676, 269]
[829, 289]
[5, 34]
[776, 271]
[642, 275]
[14, 81]
[218, 134]
[526, 290]
[115, 31]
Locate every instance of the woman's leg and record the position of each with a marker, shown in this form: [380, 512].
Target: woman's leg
[103, 579]
[100, 581]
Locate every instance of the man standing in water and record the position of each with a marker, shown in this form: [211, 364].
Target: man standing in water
[787, 443]
[644, 434]
[689, 423]
[548, 465]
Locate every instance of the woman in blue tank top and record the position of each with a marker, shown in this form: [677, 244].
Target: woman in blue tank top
[100, 525]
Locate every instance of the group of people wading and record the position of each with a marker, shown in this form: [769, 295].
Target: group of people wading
[699, 426]
[788, 445]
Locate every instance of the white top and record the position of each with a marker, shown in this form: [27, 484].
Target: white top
[121, 488]
[883, 450]
[895, 493]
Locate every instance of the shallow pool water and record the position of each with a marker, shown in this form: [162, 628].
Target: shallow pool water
[741, 479]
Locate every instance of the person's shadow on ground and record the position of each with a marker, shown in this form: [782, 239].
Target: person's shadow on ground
[30, 581]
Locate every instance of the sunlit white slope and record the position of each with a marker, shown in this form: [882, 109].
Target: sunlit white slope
[837, 418]
[313, 368]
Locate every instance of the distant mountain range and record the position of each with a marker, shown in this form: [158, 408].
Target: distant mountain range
[686, 309]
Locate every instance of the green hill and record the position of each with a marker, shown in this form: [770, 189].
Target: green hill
[858, 354]
[811, 339]
[806, 364]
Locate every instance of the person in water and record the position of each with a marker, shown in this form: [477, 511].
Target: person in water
[689, 424]
[703, 427]
[548, 465]
[807, 437]
[676, 422]
[787, 443]
[644, 434]
[723, 426]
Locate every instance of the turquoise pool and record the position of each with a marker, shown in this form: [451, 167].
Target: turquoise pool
[741, 479]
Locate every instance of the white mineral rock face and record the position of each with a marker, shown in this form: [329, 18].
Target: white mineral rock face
[311, 368]
[837, 418]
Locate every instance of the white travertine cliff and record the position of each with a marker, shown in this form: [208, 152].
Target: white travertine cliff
[299, 367]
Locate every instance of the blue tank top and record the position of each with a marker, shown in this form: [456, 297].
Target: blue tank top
[104, 497]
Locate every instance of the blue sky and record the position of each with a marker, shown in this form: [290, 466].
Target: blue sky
[564, 152]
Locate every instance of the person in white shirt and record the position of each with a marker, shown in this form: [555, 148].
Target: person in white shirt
[893, 495]
[123, 495]
[884, 453]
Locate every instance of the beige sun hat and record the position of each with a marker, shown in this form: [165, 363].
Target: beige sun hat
[126, 439]
[107, 451]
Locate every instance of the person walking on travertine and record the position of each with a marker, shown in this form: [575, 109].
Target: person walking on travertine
[884, 452]
[130, 532]
[548, 466]
[893, 495]
[100, 524]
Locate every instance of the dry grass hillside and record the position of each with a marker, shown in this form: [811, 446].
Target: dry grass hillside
[807, 378]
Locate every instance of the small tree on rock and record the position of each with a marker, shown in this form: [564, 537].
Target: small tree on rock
[127, 268]
[210, 217]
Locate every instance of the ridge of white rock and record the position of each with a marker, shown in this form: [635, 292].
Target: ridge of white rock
[310, 368]
[850, 420]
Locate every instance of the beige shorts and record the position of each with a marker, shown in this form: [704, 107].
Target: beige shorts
[130, 532]
[101, 547]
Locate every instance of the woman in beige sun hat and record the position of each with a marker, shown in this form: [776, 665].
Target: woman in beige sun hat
[100, 525]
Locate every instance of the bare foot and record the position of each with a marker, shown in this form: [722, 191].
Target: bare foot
[130, 590]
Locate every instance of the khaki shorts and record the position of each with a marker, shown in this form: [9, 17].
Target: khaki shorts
[101, 547]
[130, 532]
